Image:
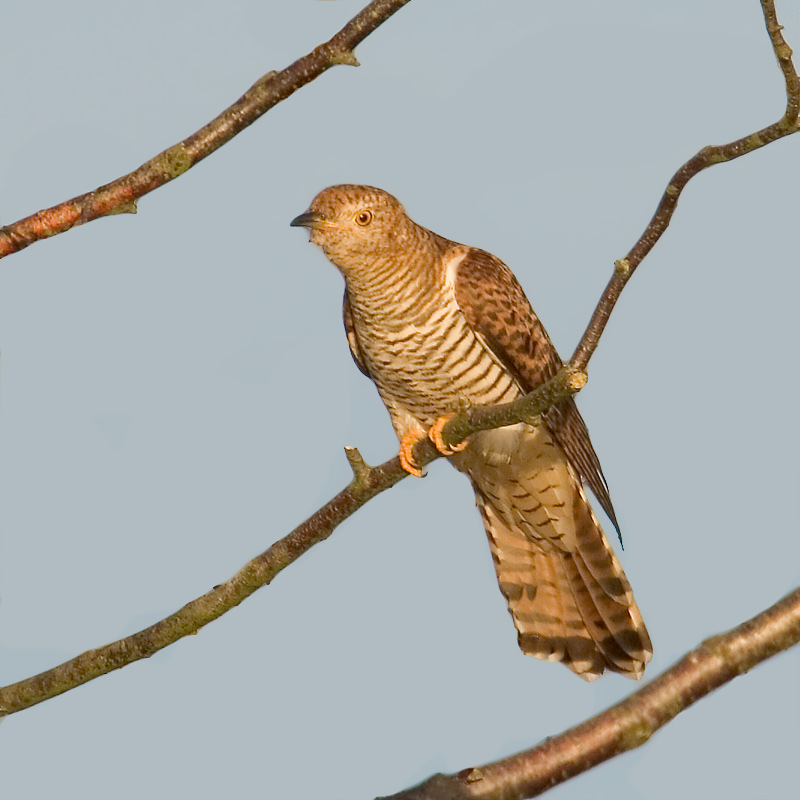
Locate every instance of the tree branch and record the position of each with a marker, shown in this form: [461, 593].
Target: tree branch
[367, 482]
[628, 724]
[708, 156]
[120, 196]
[573, 376]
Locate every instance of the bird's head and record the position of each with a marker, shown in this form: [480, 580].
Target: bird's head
[356, 226]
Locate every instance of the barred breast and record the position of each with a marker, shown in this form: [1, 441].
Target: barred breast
[423, 356]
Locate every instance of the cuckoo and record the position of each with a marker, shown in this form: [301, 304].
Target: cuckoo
[436, 324]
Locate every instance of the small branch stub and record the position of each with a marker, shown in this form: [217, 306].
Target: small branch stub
[346, 57]
[124, 208]
[361, 470]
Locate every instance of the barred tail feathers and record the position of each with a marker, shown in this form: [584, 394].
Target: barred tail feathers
[566, 591]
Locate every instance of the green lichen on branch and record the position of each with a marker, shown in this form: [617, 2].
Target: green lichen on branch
[172, 163]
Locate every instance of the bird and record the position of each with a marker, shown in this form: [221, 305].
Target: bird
[439, 326]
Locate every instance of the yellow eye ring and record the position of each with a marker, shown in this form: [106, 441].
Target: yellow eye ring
[363, 218]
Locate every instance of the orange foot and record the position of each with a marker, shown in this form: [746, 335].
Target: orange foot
[435, 435]
[406, 452]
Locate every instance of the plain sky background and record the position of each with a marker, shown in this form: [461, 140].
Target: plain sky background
[176, 389]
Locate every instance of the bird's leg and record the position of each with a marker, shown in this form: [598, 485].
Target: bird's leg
[406, 453]
[435, 435]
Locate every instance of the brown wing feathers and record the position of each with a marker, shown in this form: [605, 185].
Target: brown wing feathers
[495, 305]
[350, 330]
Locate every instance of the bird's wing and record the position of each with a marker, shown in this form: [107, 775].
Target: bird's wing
[350, 330]
[495, 306]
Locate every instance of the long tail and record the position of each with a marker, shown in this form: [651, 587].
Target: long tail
[566, 591]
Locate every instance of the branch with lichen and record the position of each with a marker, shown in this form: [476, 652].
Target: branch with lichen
[707, 157]
[628, 724]
[120, 196]
[562, 388]
[368, 481]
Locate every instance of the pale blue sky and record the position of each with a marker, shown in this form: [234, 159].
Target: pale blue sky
[176, 390]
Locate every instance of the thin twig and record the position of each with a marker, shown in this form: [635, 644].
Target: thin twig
[707, 157]
[628, 724]
[366, 483]
[560, 387]
[120, 196]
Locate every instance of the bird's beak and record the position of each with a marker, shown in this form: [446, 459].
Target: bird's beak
[310, 219]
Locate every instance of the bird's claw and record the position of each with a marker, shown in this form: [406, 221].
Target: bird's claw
[406, 453]
[435, 435]
[410, 439]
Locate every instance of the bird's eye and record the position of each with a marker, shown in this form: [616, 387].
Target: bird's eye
[363, 218]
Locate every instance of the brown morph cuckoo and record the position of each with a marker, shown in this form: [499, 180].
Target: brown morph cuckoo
[436, 324]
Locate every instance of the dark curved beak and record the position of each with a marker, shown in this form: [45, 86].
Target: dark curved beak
[308, 219]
